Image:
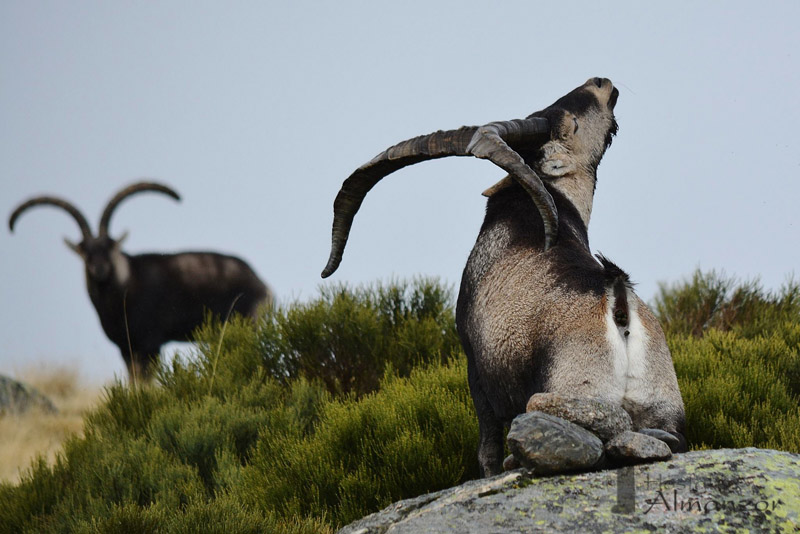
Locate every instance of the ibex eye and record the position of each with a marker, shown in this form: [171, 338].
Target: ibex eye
[575, 120]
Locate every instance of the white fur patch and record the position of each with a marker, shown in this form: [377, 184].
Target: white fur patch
[629, 352]
[122, 269]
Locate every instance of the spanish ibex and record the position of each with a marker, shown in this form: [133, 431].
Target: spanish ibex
[536, 311]
[145, 300]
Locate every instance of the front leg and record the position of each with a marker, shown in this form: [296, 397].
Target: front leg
[142, 364]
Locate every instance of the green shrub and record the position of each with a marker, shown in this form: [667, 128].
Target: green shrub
[94, 476]
[196, 434]
[741, 392]
[326, 411]
[306, 463]
[219, 516]
[736, 351]
[249, 416]
[414, 436]
[346, 338]
[714, 301]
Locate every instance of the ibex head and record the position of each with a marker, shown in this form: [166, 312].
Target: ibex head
[582, 125]
[101, 254]
[563, 143]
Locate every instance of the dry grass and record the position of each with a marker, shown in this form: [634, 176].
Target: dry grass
[24, 437]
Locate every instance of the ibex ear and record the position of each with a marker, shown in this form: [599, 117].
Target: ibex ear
[122, 238]
[74, 247]
[502, 184]
[558, 165]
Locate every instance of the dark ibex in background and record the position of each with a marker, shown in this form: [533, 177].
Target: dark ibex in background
[145, 300]
[536, 311]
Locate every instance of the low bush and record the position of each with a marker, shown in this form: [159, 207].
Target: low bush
[714, 301]
[736, 350]
[741, 392]
[326, 411]
[414, 436]
[306, 462]
[346, 338]
[246, 436]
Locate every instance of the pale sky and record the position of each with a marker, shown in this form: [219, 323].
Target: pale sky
[255, 112]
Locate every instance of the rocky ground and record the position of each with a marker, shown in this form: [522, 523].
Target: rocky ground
[17, 398]
[751, 490]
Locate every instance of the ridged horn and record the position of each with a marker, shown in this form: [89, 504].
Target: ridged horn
[52, 201]
[493, 141]
[132, 189]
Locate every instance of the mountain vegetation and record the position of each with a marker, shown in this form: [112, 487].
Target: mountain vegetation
[327, 410]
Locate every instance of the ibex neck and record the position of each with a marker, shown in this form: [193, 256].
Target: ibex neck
[579, 190]
[512, 221]
[122, 268]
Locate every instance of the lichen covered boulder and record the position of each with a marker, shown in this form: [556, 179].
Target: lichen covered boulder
[742, 490]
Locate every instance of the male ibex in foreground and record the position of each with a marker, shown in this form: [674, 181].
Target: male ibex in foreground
[145, 300]
[536, 311]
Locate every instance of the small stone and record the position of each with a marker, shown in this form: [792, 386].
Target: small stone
[550, 445]
[670, 439]
[602, 418]
[635, 448]
[511, 463]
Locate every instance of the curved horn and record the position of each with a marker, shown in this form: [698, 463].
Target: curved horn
[52, 201]
[132, 189]
[492, 141]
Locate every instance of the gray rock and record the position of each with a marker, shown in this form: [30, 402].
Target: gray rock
[17, 398]
[548, 444]
[635, 448]
[741, 490]
[599, 417]
[673, 442]
[510, 463]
